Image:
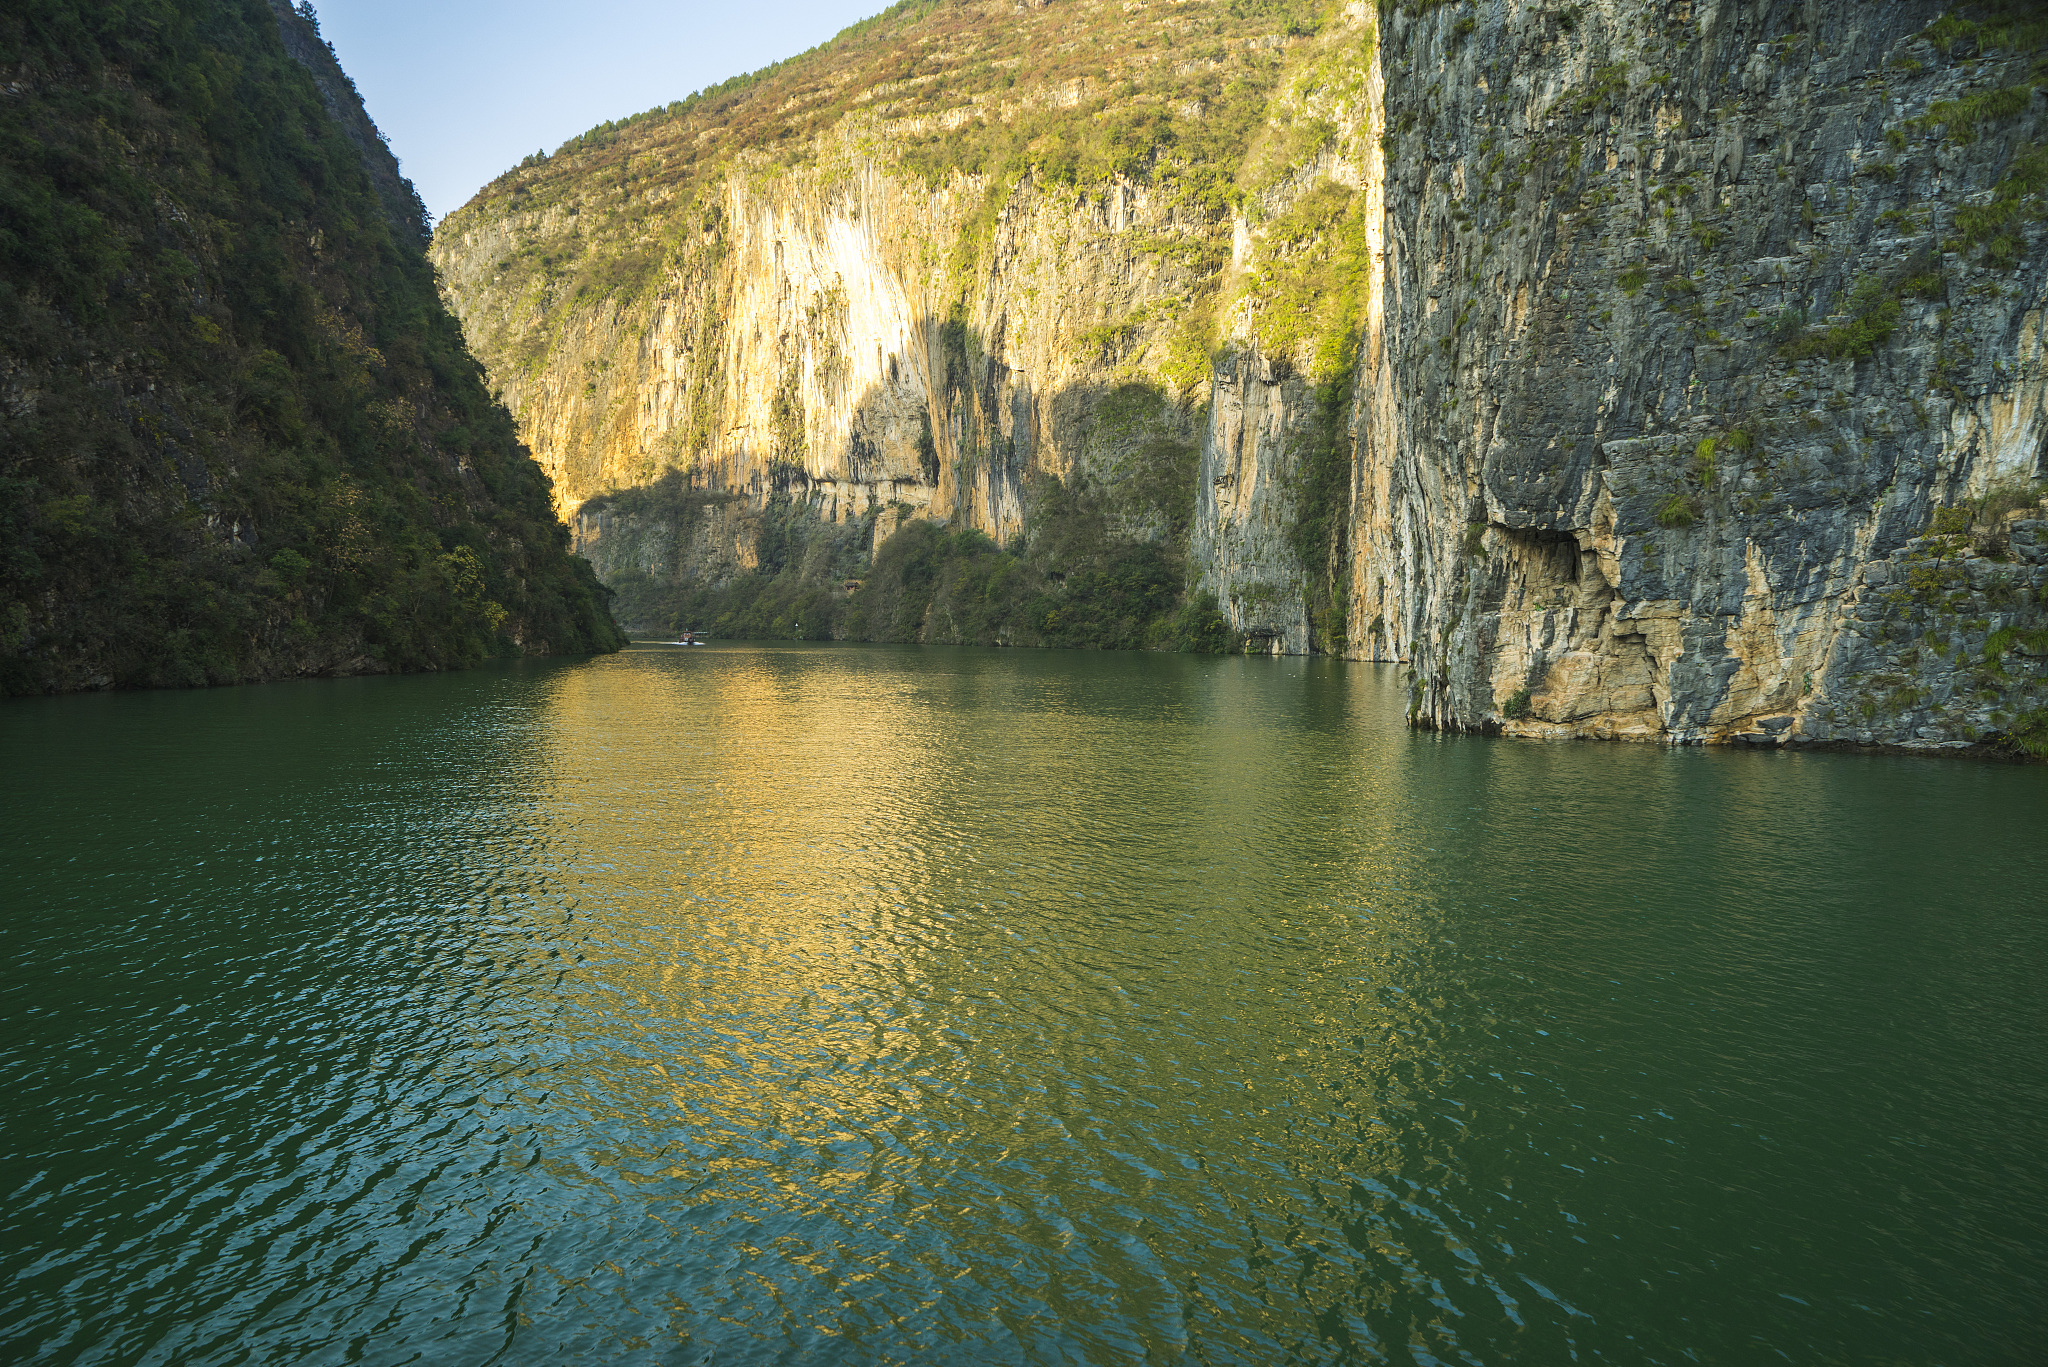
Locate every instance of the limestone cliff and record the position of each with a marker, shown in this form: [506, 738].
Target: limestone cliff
[1683, 325]
[1022, 262]
[1609, 366]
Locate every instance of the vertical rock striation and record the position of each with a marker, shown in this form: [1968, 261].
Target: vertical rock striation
[1687, 327]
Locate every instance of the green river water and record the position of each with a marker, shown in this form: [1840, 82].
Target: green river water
[896, 1005]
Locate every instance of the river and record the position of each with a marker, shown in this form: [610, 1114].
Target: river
[864, 1005]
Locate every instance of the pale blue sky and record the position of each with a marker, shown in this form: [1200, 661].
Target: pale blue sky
[465, 88]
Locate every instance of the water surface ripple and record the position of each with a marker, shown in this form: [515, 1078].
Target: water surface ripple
[877, 1005]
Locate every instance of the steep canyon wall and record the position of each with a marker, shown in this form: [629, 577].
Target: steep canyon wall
[1691, 332]
[1665, 373]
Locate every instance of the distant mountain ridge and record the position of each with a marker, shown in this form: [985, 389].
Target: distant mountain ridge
[242, 438]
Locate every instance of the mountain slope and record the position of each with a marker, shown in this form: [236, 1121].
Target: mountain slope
[242, 437]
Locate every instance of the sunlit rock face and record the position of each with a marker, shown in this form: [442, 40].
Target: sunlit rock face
[885, 328]
[1681, 333]
[810, 339]
[1582, 358]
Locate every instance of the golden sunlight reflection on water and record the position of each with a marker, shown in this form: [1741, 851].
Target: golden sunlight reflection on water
[872, 938]
[887, 1005]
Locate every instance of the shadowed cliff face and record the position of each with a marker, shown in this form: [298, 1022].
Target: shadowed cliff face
[241, 437]
[1595, 363]
[303, 43]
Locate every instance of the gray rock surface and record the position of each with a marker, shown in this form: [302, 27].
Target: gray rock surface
[1685, 348]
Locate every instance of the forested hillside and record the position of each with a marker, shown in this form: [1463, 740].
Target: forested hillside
[241, 437]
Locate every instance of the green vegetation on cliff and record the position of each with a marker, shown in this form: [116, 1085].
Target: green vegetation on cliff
[971, 95]
[1036, 209]
[242, 438]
